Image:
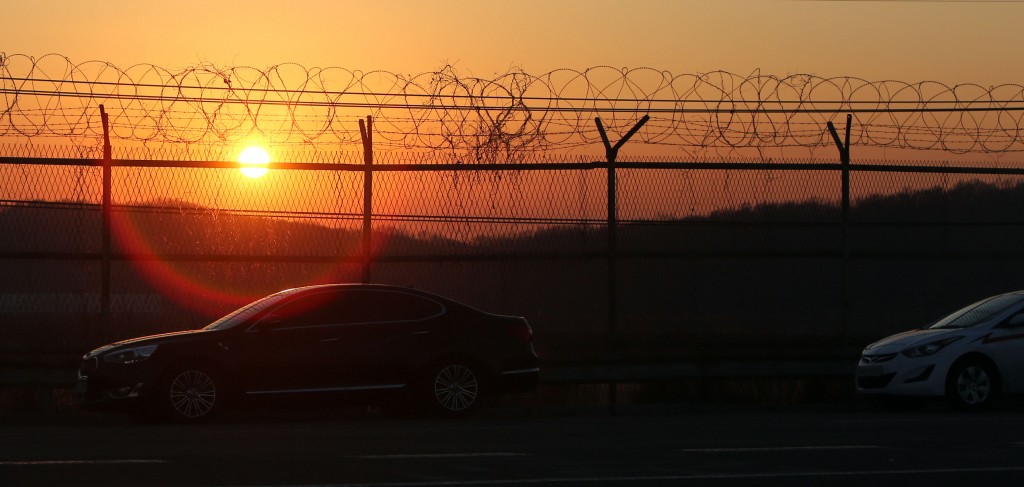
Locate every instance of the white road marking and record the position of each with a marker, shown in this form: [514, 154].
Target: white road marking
[79, 462]
[436, 455]
[780, 448]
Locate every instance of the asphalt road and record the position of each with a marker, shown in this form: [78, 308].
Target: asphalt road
[707, 448]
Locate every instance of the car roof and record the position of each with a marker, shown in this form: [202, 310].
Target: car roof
[352, 286]
[357, 286]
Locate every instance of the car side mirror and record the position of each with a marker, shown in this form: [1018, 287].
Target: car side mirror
[1017, 320]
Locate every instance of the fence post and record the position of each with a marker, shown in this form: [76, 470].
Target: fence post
[844, 160]
[611, 153]
[366, 132]
[106, 213]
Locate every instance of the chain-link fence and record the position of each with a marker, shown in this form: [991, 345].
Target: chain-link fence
[692, 260]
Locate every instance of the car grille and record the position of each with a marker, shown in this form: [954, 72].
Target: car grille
[875, 382]
[877, 359]
[88, 366]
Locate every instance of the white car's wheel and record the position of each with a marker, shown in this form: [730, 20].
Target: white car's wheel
[972, 385]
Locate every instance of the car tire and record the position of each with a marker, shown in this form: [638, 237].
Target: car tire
[192, 393]
[972, 385]
[453, 389]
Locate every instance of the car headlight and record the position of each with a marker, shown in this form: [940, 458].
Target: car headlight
[930, 348]
[130, 355]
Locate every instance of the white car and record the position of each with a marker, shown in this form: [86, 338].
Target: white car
[970, 357]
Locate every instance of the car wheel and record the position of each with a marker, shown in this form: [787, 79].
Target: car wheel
[972, 385]
[454, 389]
[191, 394]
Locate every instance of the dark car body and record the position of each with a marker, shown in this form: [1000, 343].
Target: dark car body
[348, 340]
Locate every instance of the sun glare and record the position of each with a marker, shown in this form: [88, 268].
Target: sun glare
[254, 161]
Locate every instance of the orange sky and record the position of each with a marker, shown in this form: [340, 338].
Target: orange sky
[951, 42]
[954, 42]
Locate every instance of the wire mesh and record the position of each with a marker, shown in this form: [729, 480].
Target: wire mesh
[699, 251]
[494, 192]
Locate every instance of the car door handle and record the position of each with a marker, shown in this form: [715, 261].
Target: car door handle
[422, 332]
[328, 340]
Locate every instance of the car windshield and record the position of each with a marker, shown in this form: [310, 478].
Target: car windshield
[245, 313]
[979, 312]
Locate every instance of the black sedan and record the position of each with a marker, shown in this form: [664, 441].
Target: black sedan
[372, 342]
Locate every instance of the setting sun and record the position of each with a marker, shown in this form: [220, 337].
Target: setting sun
[254, 161]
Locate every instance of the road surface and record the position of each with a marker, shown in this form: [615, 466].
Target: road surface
[706, 448]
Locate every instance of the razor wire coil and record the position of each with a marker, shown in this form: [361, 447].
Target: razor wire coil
[505, 117]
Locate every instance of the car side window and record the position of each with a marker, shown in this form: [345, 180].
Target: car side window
[370, 305]
[342, 307]
[304, 311]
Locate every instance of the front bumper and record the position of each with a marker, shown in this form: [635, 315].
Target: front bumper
[102, 387]
[897, 375]
[108, 399]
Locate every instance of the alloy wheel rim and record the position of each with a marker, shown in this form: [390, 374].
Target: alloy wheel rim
[456, 388]
[193, 393]
[974, 385]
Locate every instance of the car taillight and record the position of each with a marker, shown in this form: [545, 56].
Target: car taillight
[521, 331]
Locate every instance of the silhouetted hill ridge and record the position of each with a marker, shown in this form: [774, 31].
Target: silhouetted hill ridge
[189, 229]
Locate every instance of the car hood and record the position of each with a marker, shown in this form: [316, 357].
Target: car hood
[907, 339]
[149, 340]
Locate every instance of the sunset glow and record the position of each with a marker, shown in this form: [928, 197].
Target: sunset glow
[254, 161]
[667, 202]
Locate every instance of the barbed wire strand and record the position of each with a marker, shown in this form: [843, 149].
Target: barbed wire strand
[507, 117]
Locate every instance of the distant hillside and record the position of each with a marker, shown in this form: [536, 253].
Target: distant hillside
[174, 227]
